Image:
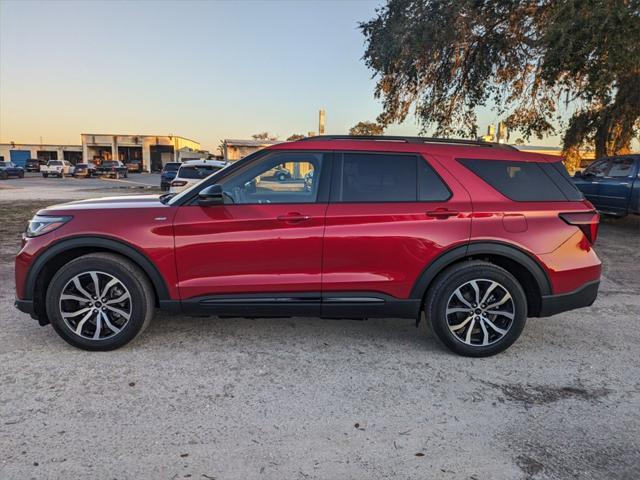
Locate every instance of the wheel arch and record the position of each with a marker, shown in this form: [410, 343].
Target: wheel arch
[516, 261]
[47, 263]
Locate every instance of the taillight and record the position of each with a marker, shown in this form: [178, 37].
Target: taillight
[178, 183]
[586, 221]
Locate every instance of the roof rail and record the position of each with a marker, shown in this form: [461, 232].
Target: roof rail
[416, 140]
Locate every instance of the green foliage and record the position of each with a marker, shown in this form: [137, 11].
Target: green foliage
[263, 136]
[294, 137]
[446, 58]
[366, 128]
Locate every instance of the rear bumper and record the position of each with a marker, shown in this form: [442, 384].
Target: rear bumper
[581, 297]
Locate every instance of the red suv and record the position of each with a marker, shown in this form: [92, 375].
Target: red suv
[479, 236]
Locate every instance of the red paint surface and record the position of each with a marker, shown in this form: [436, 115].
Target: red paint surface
[355, 247]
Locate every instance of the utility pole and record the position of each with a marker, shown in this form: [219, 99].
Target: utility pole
[321, 118]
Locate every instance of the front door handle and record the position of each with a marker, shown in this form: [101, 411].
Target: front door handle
[442, 213]
[293, 217]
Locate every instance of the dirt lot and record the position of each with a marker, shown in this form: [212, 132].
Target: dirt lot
[302, 398]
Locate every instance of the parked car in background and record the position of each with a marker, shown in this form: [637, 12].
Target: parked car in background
[612, 184]
[9, 169]
[192, 171]
[86, 170]
[112, 168]
[33, 165]
[56, 168]
[169, 172]
[477, 236]
[279, 172]
[134, 166]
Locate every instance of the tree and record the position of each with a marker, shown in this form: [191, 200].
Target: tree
[264, 136]
[445, 59]
[294, 137]
[366, 128]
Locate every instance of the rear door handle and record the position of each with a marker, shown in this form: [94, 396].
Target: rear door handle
[442, 213]
[293, 217]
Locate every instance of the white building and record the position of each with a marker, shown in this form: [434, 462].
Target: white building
[233, 150]
[151, 151]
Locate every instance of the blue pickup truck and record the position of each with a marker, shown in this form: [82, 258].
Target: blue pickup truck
[612, 184]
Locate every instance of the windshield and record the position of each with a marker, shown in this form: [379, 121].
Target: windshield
[55, 163]
[109, 163]
[197, 171]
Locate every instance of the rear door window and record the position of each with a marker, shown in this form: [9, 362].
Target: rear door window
[620, 167]
[374, 177]
[431, 188]
[525, 181]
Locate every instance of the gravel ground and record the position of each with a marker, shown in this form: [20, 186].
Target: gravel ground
[34, 187]
[305, 398]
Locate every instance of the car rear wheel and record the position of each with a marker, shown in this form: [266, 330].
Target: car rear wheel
[281, 177]
[99, 301]
[476, 309]
[45, 175]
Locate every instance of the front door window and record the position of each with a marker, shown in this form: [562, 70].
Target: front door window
[280, 178]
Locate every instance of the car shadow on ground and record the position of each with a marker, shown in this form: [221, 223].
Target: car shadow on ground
[385, 333]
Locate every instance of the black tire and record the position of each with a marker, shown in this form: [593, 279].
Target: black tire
[281, 177]
[21, 175]
[442, 292]
[45, 175]
[141, 303]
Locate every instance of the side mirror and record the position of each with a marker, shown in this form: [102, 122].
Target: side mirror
[211, 195]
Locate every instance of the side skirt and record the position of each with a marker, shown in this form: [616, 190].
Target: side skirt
[328, 305]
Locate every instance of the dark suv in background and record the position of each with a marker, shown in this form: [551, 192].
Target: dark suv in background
[169, 172]
[478, 236]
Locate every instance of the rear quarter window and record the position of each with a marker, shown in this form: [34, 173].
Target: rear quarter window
[526, 181]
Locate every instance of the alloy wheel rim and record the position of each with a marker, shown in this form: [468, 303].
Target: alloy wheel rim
[480, 312]
[95, 305]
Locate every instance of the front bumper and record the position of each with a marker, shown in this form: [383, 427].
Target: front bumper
[581, 297]
[26, 306]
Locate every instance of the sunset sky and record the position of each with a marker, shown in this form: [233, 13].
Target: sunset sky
[203, 70]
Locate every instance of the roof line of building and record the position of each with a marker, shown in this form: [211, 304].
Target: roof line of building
[42, 144]
[140, 135]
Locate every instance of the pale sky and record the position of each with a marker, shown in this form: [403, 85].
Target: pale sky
[204, 70]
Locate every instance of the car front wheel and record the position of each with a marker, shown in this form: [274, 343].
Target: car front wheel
[476, 309]
[99, 301]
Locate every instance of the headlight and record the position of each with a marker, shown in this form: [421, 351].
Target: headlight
[41, 224]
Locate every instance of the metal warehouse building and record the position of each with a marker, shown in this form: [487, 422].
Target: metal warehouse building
[19, 153]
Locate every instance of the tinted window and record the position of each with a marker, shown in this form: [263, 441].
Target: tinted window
[597, 168]
[520, 181]
[171, 167]
[260, 183]
[109, 164]
[620, 167]
[558, 173]
[366, 177]
[55, 163]
[197, 171]
[431, 188]
[4, 164]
